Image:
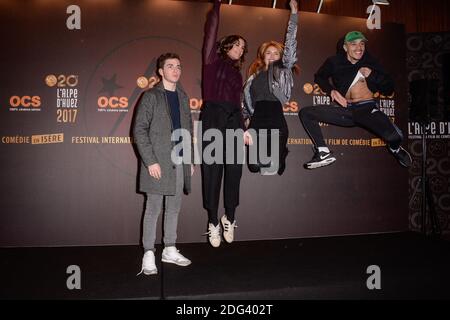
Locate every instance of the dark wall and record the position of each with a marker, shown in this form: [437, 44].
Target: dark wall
[82, 190]
[416, 15]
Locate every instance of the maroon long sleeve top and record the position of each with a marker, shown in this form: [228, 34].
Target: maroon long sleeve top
[222, 82]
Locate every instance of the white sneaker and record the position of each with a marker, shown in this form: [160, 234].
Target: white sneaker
[228, 229]
[148, 264]
[172, 255]
[214, 235]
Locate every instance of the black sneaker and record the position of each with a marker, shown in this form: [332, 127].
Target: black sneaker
[320, 159]
[403, 157]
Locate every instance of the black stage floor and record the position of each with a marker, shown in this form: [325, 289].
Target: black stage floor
[412, 267]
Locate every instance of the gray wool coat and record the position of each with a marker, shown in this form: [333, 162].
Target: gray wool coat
[152, 130]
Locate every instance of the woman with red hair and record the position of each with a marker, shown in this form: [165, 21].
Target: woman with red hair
[268, 88]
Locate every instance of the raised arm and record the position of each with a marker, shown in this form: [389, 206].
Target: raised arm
[290, 44]
[211, 29]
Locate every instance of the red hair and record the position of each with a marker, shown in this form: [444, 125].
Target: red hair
[259, 63]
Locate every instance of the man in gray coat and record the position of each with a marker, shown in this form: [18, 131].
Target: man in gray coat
[162, 112]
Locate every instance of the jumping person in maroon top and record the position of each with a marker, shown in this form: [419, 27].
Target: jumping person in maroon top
[222, 89]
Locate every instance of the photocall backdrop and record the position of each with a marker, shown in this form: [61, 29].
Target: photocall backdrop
[68, 167]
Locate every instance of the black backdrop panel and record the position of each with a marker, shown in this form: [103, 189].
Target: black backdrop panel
[77, 89]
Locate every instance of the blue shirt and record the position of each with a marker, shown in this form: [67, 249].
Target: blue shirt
[174, 104]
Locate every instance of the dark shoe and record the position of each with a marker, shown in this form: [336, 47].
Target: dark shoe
[320, 159]
[283, 161]
[403, 157]
[268, 165]
[254, 168]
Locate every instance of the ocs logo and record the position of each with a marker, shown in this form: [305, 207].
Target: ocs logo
[25, 102]
[112, 103]
[291, 107]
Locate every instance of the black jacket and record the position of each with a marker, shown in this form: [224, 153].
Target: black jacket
[342, 72]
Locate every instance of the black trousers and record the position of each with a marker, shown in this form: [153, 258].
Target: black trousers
[269, 115]
[221, 116]
[364, 115]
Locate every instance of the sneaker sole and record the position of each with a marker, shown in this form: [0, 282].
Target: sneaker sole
[218, 245]
[149, 273]
[214, 245]
[321, 164]
[177, 263]
[404, 165]
[225, 239]
[410, 160]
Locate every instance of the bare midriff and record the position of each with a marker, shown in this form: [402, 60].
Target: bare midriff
[359, 92]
